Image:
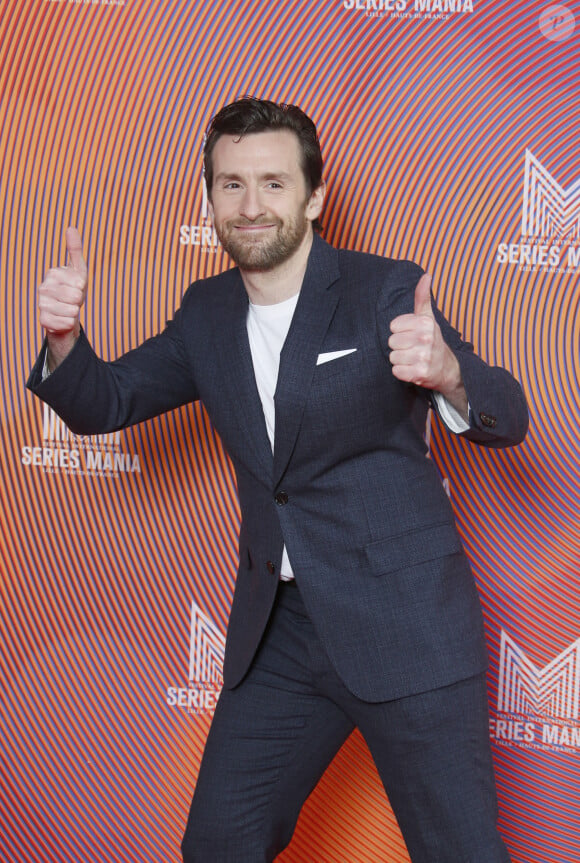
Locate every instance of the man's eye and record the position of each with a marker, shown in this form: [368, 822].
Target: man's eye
[232, 185]
[274, 185]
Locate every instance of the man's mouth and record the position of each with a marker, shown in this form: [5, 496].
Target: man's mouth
[259, 227]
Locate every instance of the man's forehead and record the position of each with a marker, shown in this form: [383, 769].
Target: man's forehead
[278, 141]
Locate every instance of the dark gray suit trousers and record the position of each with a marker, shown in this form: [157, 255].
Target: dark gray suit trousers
[273, 736]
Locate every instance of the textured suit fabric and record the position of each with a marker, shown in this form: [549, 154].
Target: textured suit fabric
[369, 529]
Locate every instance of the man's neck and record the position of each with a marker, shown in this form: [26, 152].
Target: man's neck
[280, 283]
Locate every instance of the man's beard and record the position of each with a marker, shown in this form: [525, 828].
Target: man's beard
[260, 254]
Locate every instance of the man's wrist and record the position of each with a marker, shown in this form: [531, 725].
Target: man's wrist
[453, 389]
[455, 420]
[58, 347]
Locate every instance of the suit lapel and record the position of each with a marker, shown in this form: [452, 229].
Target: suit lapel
[314, 312]
[242, 382]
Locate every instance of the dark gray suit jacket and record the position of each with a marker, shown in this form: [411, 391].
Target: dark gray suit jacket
[369, 529]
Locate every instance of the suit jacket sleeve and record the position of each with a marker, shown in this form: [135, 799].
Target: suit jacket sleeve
[97, 397]
[498, 415]
[498, 408]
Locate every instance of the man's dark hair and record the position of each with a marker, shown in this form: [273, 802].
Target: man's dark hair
[249, 116]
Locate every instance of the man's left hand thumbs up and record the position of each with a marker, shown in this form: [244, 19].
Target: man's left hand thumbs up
[419, 355]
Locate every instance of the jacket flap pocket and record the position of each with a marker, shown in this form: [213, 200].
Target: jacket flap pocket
[412, 548]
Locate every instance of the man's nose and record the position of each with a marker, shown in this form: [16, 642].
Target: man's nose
[251, 206]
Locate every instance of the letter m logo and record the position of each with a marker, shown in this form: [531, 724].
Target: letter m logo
[548, 209]
[549, 691]
[206, 649]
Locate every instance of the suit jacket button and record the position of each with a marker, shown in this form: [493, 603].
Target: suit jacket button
[271, 568]
[488, 421]
[281, 498]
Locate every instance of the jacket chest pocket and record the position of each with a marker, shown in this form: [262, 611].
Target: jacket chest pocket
[347, 391]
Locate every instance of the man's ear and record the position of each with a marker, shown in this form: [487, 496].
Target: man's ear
[316, 202]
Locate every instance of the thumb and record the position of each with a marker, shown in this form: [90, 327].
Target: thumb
[74, 247]
[423, 296]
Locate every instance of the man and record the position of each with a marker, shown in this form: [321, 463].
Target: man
[354, 603]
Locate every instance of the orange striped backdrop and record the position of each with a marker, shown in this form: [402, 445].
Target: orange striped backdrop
[425, 116]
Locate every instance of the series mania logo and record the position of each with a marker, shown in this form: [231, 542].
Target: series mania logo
[441, 9]
[203, 235]
[550, 225]
[538, 708]
[206, 659]
[80, 455]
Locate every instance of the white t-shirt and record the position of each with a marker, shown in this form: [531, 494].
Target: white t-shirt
[267, 330]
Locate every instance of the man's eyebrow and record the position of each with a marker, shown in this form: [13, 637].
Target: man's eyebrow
[276, 175]
[269, 175]
[226, 176]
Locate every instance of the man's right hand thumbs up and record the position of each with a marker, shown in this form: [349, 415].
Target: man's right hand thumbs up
[60, 299]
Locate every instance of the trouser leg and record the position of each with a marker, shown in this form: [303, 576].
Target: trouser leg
[433, 754]
[270, 741]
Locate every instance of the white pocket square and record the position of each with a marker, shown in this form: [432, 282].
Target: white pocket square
[333, 355]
